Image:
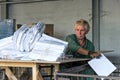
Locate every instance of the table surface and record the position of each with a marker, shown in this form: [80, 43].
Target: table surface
[42, 61]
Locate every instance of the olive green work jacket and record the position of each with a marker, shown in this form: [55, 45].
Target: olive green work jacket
[73, 46]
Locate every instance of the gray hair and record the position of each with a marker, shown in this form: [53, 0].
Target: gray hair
[83, 23]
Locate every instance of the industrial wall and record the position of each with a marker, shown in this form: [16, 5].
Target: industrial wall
[61, 13]
[110, 27]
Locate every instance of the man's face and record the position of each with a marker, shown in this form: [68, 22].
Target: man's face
[80, 32]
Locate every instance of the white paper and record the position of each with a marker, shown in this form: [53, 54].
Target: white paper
[102, 66]
[50, 50]
[46, 48]
[5, 41]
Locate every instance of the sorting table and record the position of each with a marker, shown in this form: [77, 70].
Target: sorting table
[33, 64]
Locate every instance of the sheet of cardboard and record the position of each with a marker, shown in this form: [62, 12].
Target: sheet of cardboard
[102, 66]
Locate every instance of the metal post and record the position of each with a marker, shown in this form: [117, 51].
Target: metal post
[96, 23]
[3, 10]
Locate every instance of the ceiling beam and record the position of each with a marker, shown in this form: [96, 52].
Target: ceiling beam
[20, 2]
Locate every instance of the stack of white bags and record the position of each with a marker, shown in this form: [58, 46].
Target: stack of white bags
[32, 44]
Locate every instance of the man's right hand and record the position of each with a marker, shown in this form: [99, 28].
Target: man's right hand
[94, 54]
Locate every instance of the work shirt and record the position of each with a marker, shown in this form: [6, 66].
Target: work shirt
[74, 45]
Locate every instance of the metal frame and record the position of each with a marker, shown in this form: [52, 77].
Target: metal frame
[68, 76]
[74, 74]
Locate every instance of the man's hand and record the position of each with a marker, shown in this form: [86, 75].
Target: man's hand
[94, 54]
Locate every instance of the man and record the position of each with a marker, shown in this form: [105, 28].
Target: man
[80, 47]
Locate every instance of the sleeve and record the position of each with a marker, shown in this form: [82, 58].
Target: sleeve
[72, 44]
[93, 48]
[90, 45]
